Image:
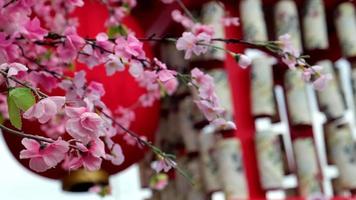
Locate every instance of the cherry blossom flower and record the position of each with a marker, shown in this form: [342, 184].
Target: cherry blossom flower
[209, 110]
[13, 69]
[89, 157]
[159, 181]
[223, 124]
[87, 160]
[180, 18]
[309, 72]
[43, 156]
[290, 53]
[129, 46]
[45, 109]
[208, 102]
[46, 80]
[203, 28]
[189, 43]
[34, 30]
[163, 164]
[55, 127]
[74, 89]
[321, 82]
[124, 116]
[136, 68]
[72, 44]
[113, 65]
[243, 60]
[83, 125]
[116, 157]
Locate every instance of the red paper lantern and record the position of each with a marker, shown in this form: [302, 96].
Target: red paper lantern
[121, 90]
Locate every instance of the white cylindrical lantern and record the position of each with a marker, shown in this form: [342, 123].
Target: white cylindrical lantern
[186, 127]
[263, 102]
[330, 99]
[209, 163]
[287, 21]
[212, 14]
[253, 22]
[231, 170]
[184, 188]
[297, 100]
[314, 25]
[345, 23]
[307, 167]
[269, 158]
[341, 147]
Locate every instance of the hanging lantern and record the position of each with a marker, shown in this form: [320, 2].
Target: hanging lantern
[287, 21]
[253, 22]
[209, 164]
[231, 170]
[212, 14]
[307, 167]
[330, 99]
[263, 101]
[345, 24]
[342, 153]
[297, 100]
[121, 90]
[269, 157]
[314, 26]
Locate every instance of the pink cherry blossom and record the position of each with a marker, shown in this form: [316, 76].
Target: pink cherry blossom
[180, 18]
[321, 82]
[129, 46]
[14, 68]
[43, 156]
[203, 28]
[189, 43]
[83, 125]
[71, 46]
[55, 127]
[34, 30]
[89, 157]
[46, 80]
[74, 89]
[290, 52]
[223, 124]
[95, 147]
[136, 68]
[171, 86]
[309, 72]
[199, 78]
[147, 100]
[116, 157]
[244, 61]
[87, 160]
[209, 110]
[113, 65]
[124, 116]
[45, 109]
[163, 164]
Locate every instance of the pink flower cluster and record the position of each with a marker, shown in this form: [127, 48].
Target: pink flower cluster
[208, 101]
[291, 57]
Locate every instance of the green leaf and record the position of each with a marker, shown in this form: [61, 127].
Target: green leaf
[117, 30]
[22, 97]
[14, 113]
